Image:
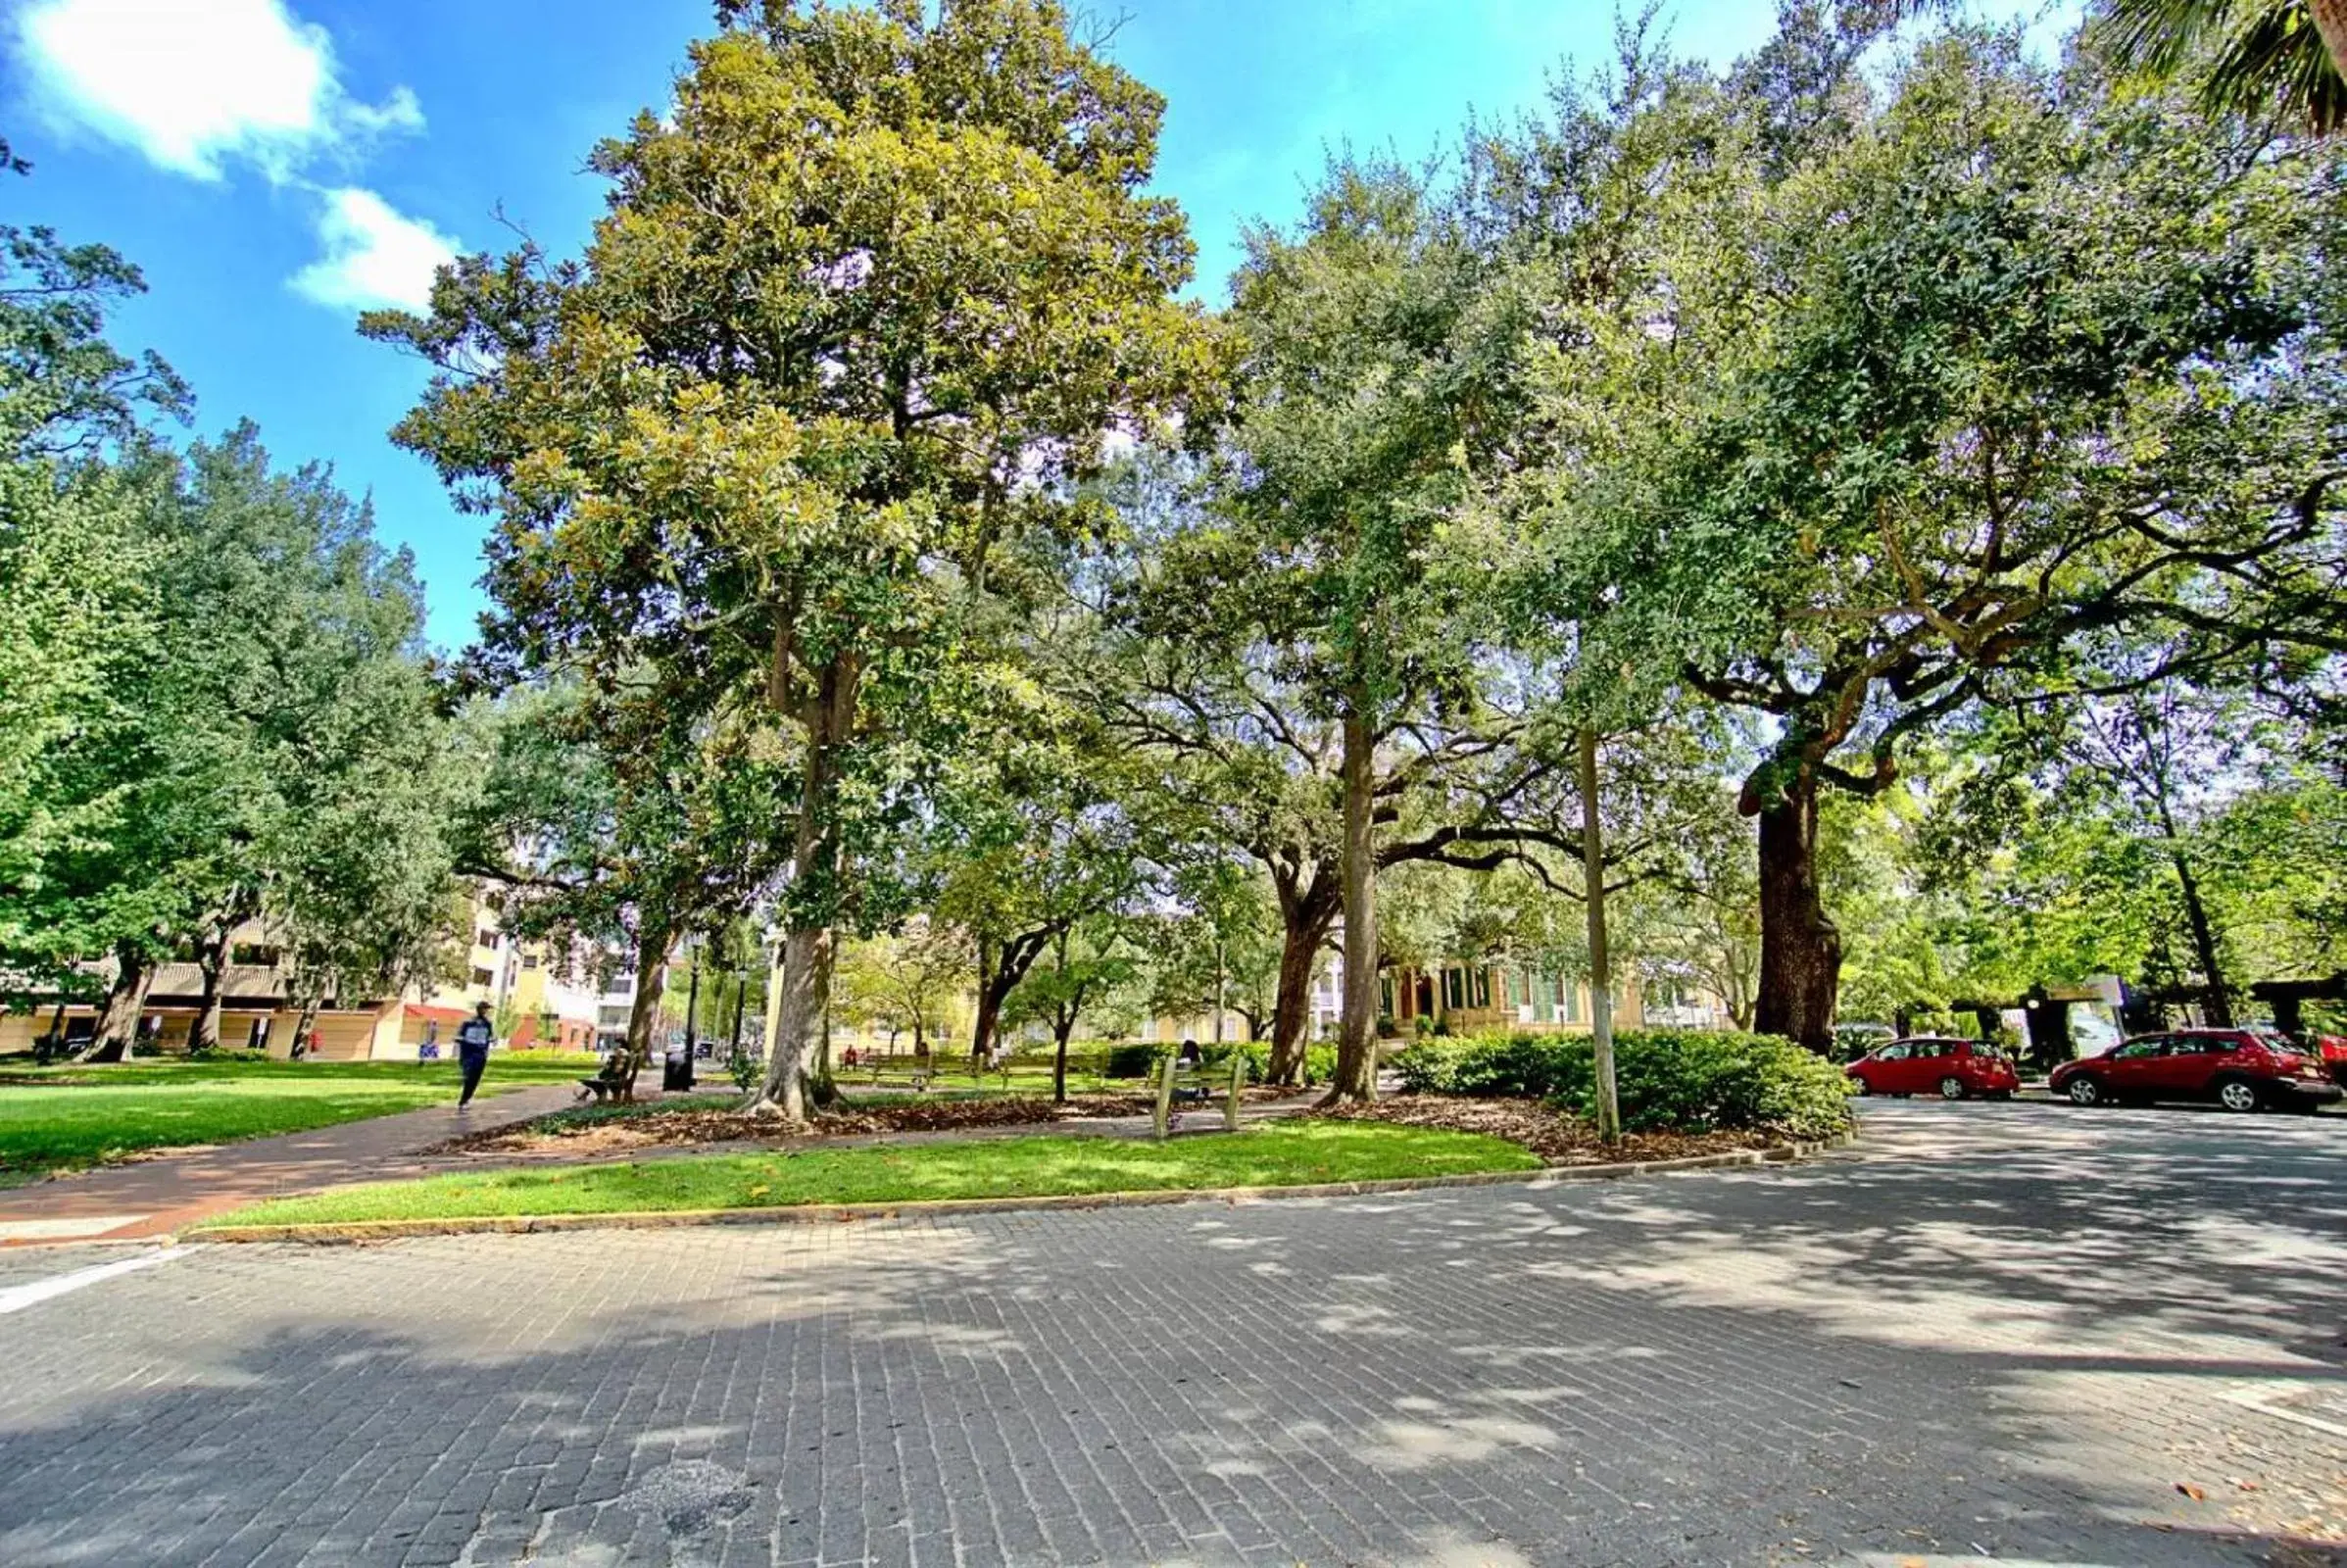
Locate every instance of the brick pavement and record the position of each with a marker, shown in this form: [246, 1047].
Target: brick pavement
[2000, 1333]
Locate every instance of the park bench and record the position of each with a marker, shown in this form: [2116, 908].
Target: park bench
[916, 1075]
[608, 1082]
[1195, 1084]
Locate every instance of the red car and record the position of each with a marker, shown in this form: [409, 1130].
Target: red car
[1935, 1064]
[2333, 1052]
[2240, 1069]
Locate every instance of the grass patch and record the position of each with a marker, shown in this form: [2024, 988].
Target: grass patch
[1293, 1154]
[65, 1117]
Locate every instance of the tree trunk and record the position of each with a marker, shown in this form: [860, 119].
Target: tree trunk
[2331, 20]
[1356, 1034]
[643, 1012]
[808, 942]
[822, 1086]
[1800, 949]
[805, 979]
[126, 1005]
[302, 1026]
[1602, 1000]
[1305, 928]
[212, 959]
[1000, 968]
[982, 1022]
[1062, 1027]
[2217, 1002]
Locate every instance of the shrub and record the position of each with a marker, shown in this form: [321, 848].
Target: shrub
[1133, 1060]
[1320, 1061]
[1667, 1080]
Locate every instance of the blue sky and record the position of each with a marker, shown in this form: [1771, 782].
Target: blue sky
[277, 165]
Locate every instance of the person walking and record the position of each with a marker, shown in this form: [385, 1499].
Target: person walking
[475, 1036]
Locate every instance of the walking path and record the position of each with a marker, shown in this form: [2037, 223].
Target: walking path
[157, 1196]
[168, 1192]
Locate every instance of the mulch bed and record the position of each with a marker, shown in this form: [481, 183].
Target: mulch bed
[1557, 1138]
[658, 1126]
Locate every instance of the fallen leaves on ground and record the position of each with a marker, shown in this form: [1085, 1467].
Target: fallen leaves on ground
[1557, 1138]
[663, 1126]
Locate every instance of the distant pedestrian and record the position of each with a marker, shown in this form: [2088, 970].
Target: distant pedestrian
[475, 1036]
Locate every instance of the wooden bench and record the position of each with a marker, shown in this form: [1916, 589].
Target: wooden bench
[1181, 1083]
[885, 1074]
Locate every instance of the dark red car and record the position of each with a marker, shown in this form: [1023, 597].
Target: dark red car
[1935, 1064]
[2240, 1069]
[2333, 1052]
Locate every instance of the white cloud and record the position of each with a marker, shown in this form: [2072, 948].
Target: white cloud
[375, 255]
[192, 83]
[198, 84]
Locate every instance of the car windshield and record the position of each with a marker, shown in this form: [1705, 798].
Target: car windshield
[2274, 1040]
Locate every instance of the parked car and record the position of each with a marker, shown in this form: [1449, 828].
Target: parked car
[2240, 1069]
[1935, 1064]
[2333, 1051]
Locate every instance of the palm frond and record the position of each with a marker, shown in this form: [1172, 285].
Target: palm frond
[2254, 57]
[2278, 62]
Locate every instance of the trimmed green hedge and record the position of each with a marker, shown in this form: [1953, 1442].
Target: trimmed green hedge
[1132, 1060]
[1669, 1080]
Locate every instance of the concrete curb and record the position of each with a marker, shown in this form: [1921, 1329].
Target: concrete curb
[356, 1231]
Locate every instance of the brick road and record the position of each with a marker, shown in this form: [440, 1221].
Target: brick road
[2000, 1332]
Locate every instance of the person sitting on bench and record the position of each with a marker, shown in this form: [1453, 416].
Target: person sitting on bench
[609, 1079]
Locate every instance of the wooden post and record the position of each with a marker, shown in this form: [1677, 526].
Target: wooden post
[1230, 1105]
[1163, 1114]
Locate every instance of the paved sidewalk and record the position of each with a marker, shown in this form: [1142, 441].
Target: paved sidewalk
[155, 1197]
[1994, 1334]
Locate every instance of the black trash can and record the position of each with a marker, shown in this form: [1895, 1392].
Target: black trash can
[676, 1072]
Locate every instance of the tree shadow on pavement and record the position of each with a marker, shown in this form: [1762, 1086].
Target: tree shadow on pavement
[1933, 1355]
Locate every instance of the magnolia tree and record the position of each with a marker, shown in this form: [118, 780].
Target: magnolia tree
[876, 285]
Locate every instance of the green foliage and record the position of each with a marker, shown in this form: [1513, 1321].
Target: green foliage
[1669, 1080]
[1133, 1060]
[262, 737]
[1319, 1062]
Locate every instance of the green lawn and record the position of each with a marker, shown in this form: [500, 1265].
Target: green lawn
[1288, 1154]
[63, 1118]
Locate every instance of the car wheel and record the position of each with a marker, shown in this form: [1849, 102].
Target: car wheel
[1951, 1088]
[2085, 1091]
[1863, 1088]
[2239, 1093]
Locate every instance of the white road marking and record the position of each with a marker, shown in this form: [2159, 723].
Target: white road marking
[64, 1230]
[20, 1297]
